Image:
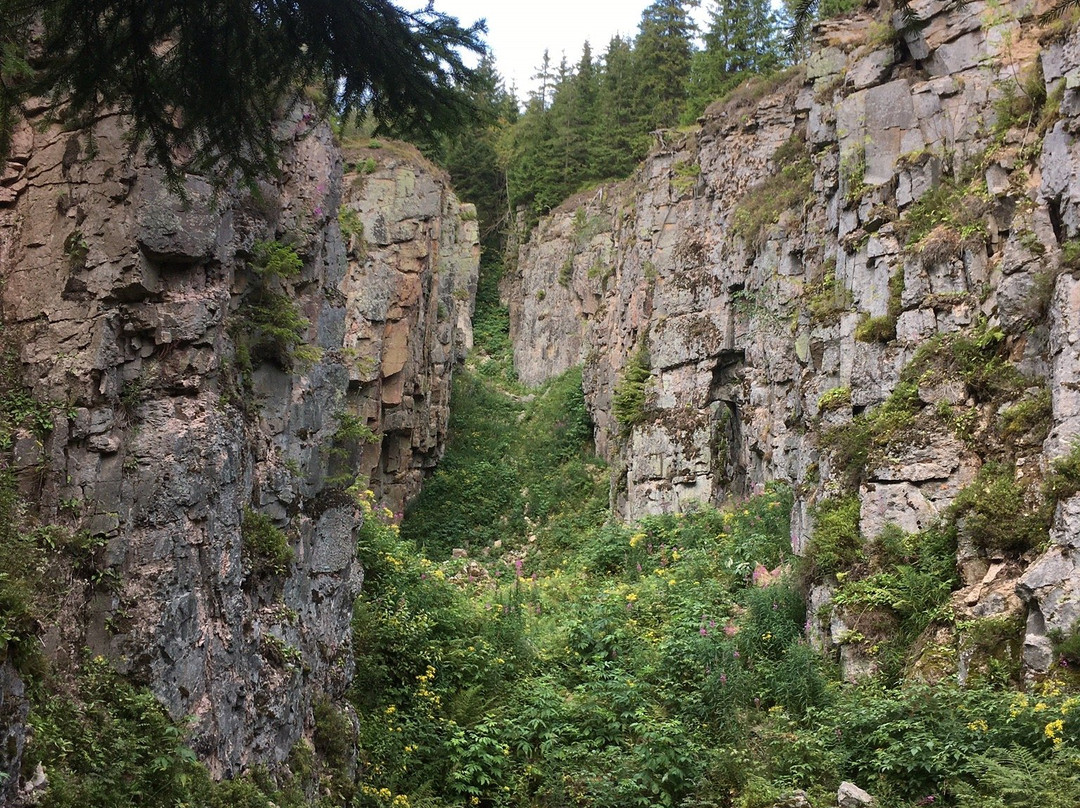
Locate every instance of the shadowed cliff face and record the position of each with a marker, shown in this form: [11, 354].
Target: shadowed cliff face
[207, 408]
[829, 246]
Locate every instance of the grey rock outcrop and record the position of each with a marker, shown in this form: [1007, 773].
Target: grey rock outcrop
[755, 316]
[132, 313]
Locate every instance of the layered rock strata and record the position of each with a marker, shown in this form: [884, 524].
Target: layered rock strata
[208, 407]
[783, 263]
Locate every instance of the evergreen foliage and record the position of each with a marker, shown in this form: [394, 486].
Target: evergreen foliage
[592, 121]
[202, 81]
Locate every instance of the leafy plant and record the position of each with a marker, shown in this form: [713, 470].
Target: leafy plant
[836, 542]
[999, 513]
[265, 545]
[628, 401]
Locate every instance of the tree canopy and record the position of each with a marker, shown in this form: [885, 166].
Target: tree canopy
[203, 79]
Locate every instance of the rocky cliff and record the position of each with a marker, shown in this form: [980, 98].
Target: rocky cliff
[858, 278]
[201, 376]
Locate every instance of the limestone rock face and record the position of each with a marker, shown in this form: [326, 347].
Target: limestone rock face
[752, 311]
[133, 313]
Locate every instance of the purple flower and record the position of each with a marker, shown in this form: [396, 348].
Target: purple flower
[723, 678]
[736, 655]
[704, 632]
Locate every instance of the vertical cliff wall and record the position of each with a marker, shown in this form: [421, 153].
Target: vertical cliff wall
[210, 372]
[827, 246]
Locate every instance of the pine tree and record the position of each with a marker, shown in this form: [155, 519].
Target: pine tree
[741, 40]
[206, 77]
[662, 54]
[471, 156]
[624, 140]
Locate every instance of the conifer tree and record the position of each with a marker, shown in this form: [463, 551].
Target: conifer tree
[662, 54]
[624, 140]
[205, 78]
[741, 39]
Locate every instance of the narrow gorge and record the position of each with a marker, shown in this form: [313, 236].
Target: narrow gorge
[778, 505]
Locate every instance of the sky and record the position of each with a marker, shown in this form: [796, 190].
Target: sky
[519, 32]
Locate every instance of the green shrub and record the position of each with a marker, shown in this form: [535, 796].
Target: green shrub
[277, 331]
[836, 542]
[999, 513]
[270, 326]
[1064, 478]
[628, 401]
[111, 744]
[272, 259]
[265, 546]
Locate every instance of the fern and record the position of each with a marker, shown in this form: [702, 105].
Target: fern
[1016, 777]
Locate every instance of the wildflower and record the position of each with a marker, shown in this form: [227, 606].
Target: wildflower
[736, 654]
[704, 632]
[631, 597]
[978, 725]
[1053, 731]
[723, 678]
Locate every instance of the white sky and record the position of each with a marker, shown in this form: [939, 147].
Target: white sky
[518, 32]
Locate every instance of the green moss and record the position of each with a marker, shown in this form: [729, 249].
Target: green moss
[835, 399]
[876, 329]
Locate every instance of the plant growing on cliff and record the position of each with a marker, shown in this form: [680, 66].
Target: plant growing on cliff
[787, 188]
[628, 400]
[270, 326]
[883, 328]
[1000, 513]
[1063, 481]
[836, 543]
[947, 218]
[264, 545]
[828, 298]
